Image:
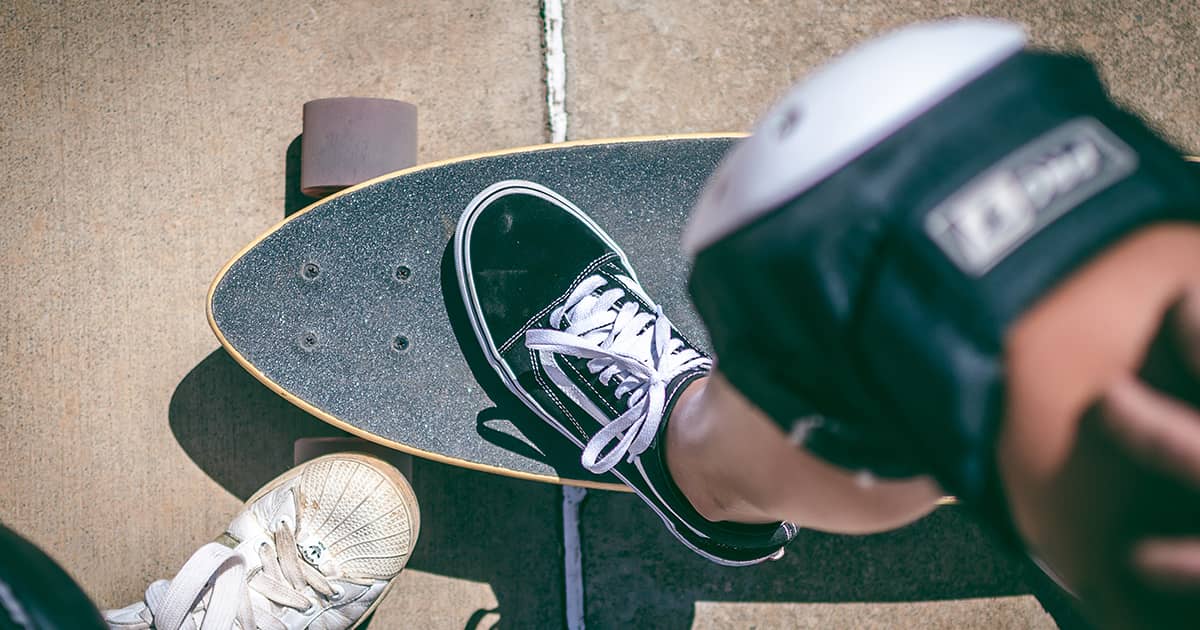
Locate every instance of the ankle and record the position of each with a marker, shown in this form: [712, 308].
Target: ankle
[706, 472]
[686, 439]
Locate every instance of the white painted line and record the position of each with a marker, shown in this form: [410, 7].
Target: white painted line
[573, 556]
[556, 68]
[556, 104]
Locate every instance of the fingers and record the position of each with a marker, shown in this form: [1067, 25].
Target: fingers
[1154, 429]
[1186, 320]
[1170, 564]
[1162, 431]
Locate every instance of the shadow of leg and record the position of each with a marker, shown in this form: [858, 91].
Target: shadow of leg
[636, 573]
[495, 530]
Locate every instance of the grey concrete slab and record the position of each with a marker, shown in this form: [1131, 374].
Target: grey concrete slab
[703, 65]
[143, 144]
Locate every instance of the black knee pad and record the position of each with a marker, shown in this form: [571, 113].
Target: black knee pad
[866, 312]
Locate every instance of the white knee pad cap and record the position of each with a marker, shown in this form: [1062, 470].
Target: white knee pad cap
[840, 111]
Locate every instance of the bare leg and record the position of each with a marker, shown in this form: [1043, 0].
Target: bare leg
[734, 464]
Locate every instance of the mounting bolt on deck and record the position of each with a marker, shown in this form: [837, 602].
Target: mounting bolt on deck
[309, 341]
[310, 271]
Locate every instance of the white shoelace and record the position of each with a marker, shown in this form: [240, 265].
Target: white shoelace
[624, 343]
[282, 577]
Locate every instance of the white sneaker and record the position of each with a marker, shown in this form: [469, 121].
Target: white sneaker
[316, 548]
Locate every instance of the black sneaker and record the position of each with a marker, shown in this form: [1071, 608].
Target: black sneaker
[562, 318]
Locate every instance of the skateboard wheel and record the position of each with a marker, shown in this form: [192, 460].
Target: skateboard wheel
[305, 449]
[349, 140]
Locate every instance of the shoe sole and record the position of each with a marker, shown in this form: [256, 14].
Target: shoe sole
[407, 496]
[462, 261]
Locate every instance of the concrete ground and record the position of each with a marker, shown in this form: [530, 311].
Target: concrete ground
[144, 143]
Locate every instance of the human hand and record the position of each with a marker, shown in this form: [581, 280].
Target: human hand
[1119, 518]
[1154, 420]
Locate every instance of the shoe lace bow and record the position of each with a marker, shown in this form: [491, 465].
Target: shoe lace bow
[627, 346]
[214, 581]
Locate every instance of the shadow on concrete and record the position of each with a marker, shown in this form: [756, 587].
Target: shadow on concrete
[497, 530]
[234, 428]
[636, 573]
[476, 526]
[293, 199]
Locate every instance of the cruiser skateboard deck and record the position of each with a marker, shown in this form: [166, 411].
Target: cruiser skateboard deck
[351, 309]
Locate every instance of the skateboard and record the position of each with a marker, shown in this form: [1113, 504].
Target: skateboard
[350, 308]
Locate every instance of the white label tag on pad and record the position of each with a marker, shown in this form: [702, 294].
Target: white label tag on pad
[984, 221]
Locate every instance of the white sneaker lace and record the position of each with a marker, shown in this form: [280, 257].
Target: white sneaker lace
[624, 343]
[281, 579]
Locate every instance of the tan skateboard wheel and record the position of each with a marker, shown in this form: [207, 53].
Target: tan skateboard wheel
[310, 448]
[349, 140]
